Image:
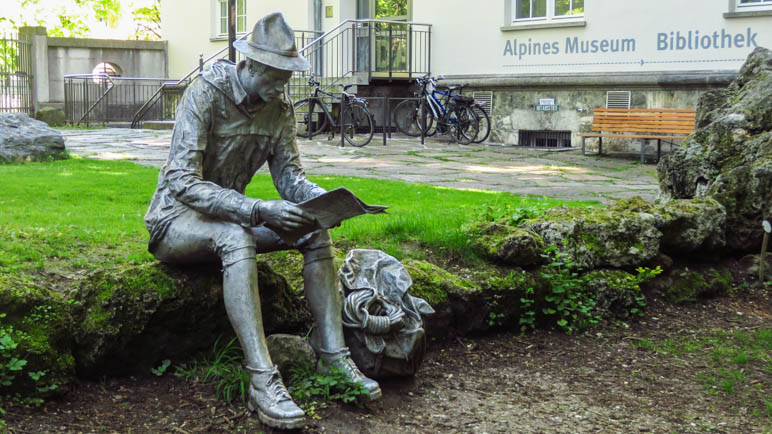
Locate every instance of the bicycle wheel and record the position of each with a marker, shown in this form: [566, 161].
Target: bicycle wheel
[407, 117]
[464, 125]
[485, 124]
[313, 122]
[357, 124]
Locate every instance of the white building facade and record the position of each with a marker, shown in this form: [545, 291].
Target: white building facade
[573, 53]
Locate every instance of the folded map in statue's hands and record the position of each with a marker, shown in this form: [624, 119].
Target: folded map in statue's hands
[329, 210]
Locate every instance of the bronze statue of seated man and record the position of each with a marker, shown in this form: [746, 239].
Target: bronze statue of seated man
[231, 120]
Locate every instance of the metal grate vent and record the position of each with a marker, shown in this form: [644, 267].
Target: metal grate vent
[544, 138]
[618, 99]
[486, 97]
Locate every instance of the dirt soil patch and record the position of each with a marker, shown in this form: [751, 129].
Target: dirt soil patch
[655, 375]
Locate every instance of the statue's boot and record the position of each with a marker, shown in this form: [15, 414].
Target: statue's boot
[325, 300]
[341, 359]
[273, 403]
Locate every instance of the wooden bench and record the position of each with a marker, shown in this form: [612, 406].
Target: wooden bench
[644, 124]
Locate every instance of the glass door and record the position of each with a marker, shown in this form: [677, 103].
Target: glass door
[390, 42]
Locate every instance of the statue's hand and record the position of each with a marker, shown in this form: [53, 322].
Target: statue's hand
[284, 215]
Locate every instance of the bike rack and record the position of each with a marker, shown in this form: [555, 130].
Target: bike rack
[386, 125]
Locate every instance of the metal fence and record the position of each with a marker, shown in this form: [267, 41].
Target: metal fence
[102, 99]
[161, 104]
[16, 75]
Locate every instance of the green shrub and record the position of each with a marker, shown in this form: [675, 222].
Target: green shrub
[568, 304]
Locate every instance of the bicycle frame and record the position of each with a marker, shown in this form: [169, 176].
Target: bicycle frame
[344, 98]
[439, 111]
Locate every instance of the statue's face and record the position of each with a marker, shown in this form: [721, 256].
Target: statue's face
[263, 82]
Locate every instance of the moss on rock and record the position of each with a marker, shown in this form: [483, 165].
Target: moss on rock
[506, 244]
[691, 285]
[503, 296]
[458, 302]
[616, 293]
[435, 284]
[132, 316]
[38, 321]
[687, 225]
[599, 237]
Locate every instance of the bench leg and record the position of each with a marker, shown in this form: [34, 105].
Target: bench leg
[600, 146]
[643, 151]
[659, 149]
[583, 145]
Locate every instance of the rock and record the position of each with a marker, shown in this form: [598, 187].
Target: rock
[690, 285]
[26, 139]
[53, 117]
[662, 261]
[729, 157]
[503, 297]
[290, 350]
[616, 293]
[510, 245]
[458, 302]
[37, 321]
[687, 225]
[131, 317]
[690, 226]
[596, 237]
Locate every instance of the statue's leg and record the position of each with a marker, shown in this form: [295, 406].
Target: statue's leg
[267, 393]
[193, 237]
[322, 289]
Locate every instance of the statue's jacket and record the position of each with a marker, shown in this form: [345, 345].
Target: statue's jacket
[218, 143]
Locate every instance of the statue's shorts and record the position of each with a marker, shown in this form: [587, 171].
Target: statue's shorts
[193, 237]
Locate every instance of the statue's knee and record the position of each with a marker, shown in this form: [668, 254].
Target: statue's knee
[235, 244]
[317, 247]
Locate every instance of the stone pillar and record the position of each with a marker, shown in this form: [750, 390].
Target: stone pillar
[39, 38]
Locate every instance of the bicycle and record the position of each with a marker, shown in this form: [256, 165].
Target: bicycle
[455, 117]
[484, 120]
[313, 116]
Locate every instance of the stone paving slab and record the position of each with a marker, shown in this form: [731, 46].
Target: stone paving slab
[562, 175]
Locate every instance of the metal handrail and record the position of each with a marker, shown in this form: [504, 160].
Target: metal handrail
[151, 102]
[303, 50]
[110, 88]
[153, 98]
[115, 77]
[358, 21]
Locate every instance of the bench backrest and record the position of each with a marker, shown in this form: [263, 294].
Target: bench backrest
[660, 121]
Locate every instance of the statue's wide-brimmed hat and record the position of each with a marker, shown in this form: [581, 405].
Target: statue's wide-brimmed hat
[272, 43]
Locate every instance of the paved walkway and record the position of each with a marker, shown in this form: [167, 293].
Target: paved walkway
[561, 175]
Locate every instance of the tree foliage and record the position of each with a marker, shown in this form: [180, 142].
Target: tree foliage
[390, 8]
[75, 18]
[148, 22]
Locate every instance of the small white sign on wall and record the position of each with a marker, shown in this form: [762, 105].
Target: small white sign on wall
[546, 101]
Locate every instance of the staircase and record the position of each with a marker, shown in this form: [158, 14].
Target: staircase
[353, 52]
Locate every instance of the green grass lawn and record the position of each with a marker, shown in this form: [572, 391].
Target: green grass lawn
[80, 214]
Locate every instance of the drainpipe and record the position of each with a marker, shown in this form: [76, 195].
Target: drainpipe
[318, 15]
[318, 28]
[231, 30]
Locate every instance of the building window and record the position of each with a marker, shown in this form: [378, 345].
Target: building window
[547, 10]
[241, 17]
[103, 71]
[397, 10]
[754, 3]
